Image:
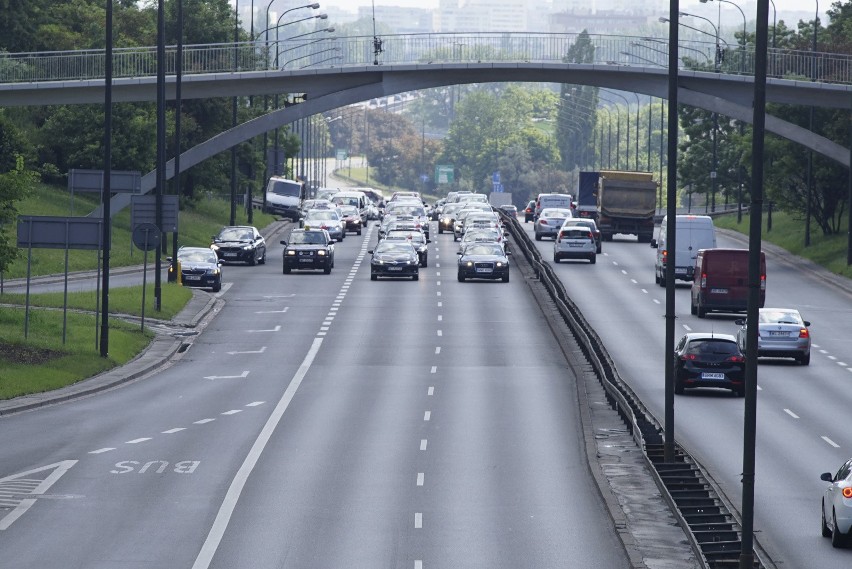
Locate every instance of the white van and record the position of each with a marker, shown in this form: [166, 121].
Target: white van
[694, 232]
[284, 197]
[561, 201]
[356, 198]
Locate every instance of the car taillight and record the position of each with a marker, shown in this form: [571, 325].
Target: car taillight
[688, 357]
[665, 256]
[736, 359]
[847, 492]
[542, 221]
[703, 280]
[592, 237]
[803, 333]
[763, 282]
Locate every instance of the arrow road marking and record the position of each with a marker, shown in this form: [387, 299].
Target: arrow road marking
[277, 328]
[241, 376]
[260, 351]
[14, 488]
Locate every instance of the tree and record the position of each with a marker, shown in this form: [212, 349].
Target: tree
[14, 185]
[577, 107]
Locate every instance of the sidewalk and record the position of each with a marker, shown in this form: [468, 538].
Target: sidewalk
[172, 339]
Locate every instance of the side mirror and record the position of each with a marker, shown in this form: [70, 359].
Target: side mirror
[654, 244]
[826, 476]
[807, 323]
[459, 253]
[168, 259]
[370, 251]
[740, 321]
[429, 241]
[508, 253]
[284, 242]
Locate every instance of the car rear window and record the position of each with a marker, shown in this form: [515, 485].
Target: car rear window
[712, 346]
[575, 233]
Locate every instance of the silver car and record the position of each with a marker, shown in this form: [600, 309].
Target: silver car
[781, 333]
[837, 505]
[575, 242]
[549, 222]
[328, 219]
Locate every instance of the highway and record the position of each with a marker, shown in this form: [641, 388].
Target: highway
[802, 411]
[322, 421]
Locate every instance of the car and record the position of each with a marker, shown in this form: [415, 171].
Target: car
[482, 235]
[416, 238]
[394, 259]
[483, 261]
[240, 244]
[352, 218]
[545, 200]
[593, 227]
[547, 223]
[529, 211]
[709, 359]
[447, 219]
[308, 249]
[328, 219]
[721, 281]
[575, 242]
[781, 333]
[837, 505]
[510, 210]
[407, 207]
[199, 267]
[461, 215]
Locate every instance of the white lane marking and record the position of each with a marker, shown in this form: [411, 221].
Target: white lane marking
[831, 442]
[255, 403]
[324, 328]
[427, 415]
[615, 263]
[832, 358]
[321, 333]
[437, 349]
[101, 450]
[623, 272]
[437, 265]
[241, 376]
[418, 520]
[440, 317]
[823, 352]
[423, 443]
[687, 328]
[420, 476]
[203, 421]
[440, 304]
[286, 308]
[434, 369]
[59, 468]
[279, 296]
[276, 329]
[815, 345]
[260, 351]
[336, 303]
[439, 293]
[656, 301]
[333, 309]
[842, 364]
[327, 322]
[137, 441]
[220, 524]
[634, 281]
[232, 412]
[418, 564]
[173, 431]
[438, 282]
[645, 290]
[440, 333]
[431, 390]
[437, 273]
[759, 388]
[791, 413]
[849, 369]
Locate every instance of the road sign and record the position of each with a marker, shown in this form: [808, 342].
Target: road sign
[120, 181]
[444, 174]
[50, 232]
[342, 153]
[143, 209]
[146, 236]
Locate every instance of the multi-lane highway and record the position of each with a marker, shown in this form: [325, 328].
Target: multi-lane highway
[802, 427]
[322, 421]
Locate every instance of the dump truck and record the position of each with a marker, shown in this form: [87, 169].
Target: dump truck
[626, 202]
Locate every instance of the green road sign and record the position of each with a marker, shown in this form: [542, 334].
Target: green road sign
[444, 174]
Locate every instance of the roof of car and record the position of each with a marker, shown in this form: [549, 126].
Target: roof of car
[710, 336]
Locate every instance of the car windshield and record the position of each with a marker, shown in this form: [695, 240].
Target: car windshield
[307, 238]
[197, 256]
[236, 234]
[345, 200]
[779, 317]
[482, 235]
[407, 209]
[321, 214]
[413, 236]
[394, 247]
[484, 249]
[712, 346]
[285, 188]
[349, 210]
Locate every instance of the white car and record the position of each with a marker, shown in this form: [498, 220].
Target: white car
[837, 505]
[575, 242]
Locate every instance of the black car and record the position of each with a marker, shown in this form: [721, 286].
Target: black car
[394, 259]
[198, 266]
[352, 218]
[483, 261]
[240, 244]
[416, 238]
[529, 212]
[308, 249]
[709, 360]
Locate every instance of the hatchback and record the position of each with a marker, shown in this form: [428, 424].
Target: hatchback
[549, 221]
[706, 359]
[575, 242]
[837, 505]
[781, 333]
[593, 227]
[529, 211]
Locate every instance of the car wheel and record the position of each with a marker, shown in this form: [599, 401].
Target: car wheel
[700, 311]
[555, 259]
[455, 237]
[599, 250]
[678, 387]
[805, 360]
[461, 278]
[286, 270]
[440, 230]
[692, 309]
[537, 237]
[425, 262]
[837, 538]
[826, 531]
[217, 287]
[374, 277]
[593, 259]
[415, 277]
[358, 232]
[253, 260]
[263, 258]
[506, 278]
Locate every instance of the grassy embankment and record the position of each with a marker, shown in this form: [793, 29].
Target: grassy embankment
[41, 362]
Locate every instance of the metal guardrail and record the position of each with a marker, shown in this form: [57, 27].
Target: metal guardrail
[424, 48]
[706, 516]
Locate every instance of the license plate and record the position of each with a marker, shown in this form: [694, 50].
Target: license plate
[712, 375]
[575, 244]
[394, 268]
[718, 291]
[230, 254]
[481, 270]
[192, 278]
[306, 260]
[773, 333]
[681, 271]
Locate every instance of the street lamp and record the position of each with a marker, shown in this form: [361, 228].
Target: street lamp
[312, 6]
[626, 112]
[742, 56]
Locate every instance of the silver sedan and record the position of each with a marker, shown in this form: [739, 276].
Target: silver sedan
[550, 221]
[781, 333]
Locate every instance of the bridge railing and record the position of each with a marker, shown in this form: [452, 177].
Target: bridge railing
[421, 48]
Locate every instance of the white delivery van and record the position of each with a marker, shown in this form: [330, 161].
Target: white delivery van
[694, 232]
[284, 197]
[356, 198]
[562, 201]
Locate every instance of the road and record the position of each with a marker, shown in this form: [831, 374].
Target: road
[802, 411]
[322, 421]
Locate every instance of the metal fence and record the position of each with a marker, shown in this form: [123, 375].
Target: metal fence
[357, 51]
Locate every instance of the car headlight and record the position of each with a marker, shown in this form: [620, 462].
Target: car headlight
[321, 252]
[499, 264]
[469, 263]
[248, 247]
[214, 247]
[290, 252]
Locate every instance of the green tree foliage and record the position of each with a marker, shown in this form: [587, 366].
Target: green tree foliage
[577, 117]
[14, 184]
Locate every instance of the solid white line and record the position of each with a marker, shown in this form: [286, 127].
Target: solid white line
[232, 412]
[276, 329]
[434, 369]
[437, 349]
[101, 450]
[791, 413]
[687, 328]
[423, 444]
[203, 421]
[420, 478]
[418, 520]
[173, 431]
[831, 442]
[137, 441]
[427, 415]
[217, 531]
[272, 311]
[255, 403]
[431, 390]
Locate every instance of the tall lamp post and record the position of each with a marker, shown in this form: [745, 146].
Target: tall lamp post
[627, 112]
[744, 38]
[811, 128]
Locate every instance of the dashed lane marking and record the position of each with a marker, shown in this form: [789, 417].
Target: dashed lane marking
[791, 413]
